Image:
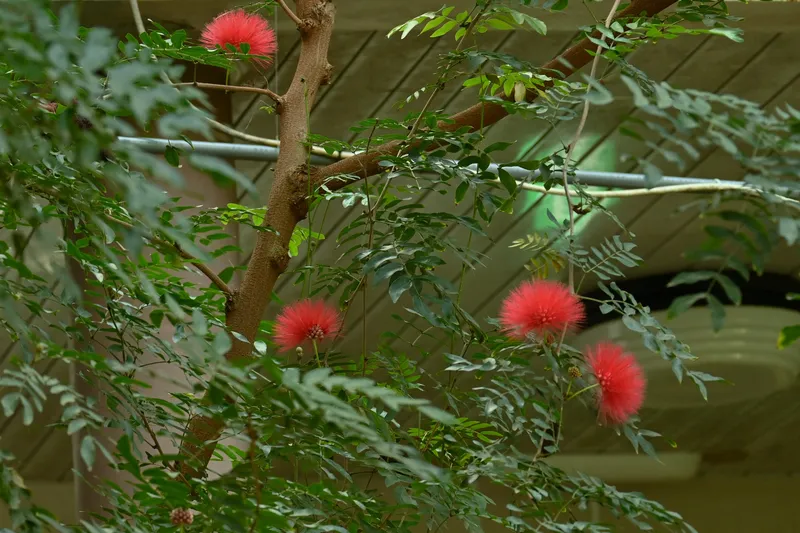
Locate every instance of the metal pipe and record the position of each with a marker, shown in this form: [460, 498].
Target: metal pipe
[251, 152]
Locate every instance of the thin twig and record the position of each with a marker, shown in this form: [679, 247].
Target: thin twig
[137, 17]
[251, 453]
[574, 143]
[206, 270]
[297, 20]
[233, 88]
[156, 443]
[370, 242]
[210, 274]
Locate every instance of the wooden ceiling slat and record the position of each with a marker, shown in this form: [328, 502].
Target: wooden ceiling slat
[49, 455]
[713, 70]
[278, 77]
[769, 91]
[375, 82]
[342, 73]
[659, 61]
[762, 80]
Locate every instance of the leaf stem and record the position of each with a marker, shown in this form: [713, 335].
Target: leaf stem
[574, 143]
[232, 88]
[316, 352]
[578, 393]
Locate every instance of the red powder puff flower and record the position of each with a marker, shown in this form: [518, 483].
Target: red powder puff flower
[237, 27]
[540, 307]
[620, 379]
[306, 321]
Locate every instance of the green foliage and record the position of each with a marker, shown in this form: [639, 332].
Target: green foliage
[546, 259]
[398, 435]
[490, 17]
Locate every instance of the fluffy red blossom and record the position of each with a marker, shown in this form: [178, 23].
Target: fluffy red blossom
[306, 321]
[540, 307]
[620, 379]
[237, 27]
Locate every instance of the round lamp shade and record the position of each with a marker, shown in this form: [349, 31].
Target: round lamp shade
[744, 353]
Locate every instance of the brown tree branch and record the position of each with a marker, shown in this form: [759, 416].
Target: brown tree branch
[297, 20]
[483, 113]
[233, 88]
[288, 199]
[287, 206]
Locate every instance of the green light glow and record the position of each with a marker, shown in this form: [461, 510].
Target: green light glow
[603, 158]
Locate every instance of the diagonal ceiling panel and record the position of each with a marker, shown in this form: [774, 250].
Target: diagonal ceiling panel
[244, 107]
[659, 61]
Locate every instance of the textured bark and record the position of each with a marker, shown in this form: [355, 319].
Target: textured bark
[287, 200]
[286, 207]
[482, 114]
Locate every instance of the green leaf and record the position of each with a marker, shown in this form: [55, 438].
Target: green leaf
[734, 34]
[633, 324]
[433, 23]
[221, 171]
[499, 24]
[498, 146]
[222, 343]
[400, 285]
[156, 317]
[598, 94]
[652, 174]
[639, 99]
[178, 38]
[88, 449]
[172, 155]
[437, 415]
[789, 229]
[444, 29]
[76, 425]
[386, 271]
[688, 278]
[10, 402]
[507, 180]
[663, 99]
[683, 303]
[199, 323]
[717, 312]
[732, 291]
[537, 25]
[27, 411]
[788, 336]
[406, 27]
[461, 191]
